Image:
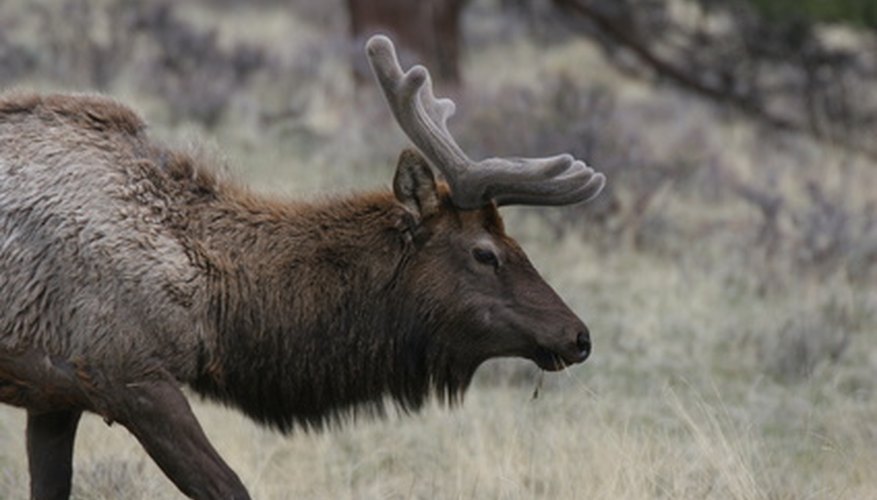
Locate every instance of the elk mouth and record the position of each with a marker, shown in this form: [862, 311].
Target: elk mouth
[553, 360]
[549, 360]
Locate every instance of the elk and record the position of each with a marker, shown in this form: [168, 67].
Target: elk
[129, 270]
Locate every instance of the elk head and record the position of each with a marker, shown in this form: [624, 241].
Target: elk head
[464, 267]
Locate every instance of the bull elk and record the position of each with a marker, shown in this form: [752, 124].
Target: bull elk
[128, 270]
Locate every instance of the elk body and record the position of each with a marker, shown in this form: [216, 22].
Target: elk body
[128, 270]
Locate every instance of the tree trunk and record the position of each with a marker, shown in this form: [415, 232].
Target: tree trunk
[426, 31]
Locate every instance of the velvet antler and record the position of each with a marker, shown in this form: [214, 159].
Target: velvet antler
[555, 180]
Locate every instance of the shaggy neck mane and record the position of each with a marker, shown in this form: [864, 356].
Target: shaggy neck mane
[322, 326]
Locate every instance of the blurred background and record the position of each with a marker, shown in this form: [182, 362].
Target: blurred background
[727, 272]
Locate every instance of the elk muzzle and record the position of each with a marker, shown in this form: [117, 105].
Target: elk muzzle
[571, 347]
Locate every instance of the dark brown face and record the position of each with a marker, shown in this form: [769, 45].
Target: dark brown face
[488, 285]
[478, 284]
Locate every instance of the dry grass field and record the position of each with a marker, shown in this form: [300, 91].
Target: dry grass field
[735, 347]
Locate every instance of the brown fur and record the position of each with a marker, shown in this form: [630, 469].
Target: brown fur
[89, 111]
[130, 269]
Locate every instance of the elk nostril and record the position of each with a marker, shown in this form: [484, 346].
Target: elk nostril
[583, 342]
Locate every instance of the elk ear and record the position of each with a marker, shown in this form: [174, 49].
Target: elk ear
[415, 186]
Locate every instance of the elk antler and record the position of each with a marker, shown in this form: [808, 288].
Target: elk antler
[556, 180]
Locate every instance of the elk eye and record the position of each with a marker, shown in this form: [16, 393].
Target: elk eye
[486, 257]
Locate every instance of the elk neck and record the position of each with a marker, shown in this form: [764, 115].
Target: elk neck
[314, 314]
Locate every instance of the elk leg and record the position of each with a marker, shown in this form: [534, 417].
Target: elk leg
[159, 416]
[50, 439]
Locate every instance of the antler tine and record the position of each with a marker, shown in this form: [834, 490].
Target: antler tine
[421, 116]
[575, 182]
[558, 180]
